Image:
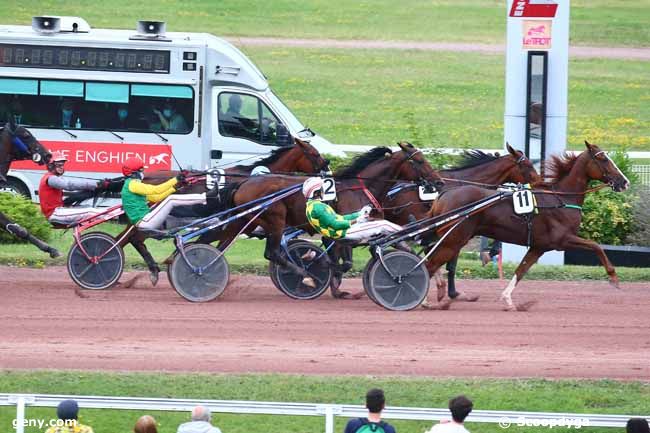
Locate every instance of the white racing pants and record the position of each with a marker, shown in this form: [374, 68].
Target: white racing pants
[71, 215]
[368, 229]
[158, 215]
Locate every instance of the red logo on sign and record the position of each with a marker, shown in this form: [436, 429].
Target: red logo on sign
[104, 157]
[533, 9]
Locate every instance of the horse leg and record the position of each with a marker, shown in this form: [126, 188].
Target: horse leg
[577, 242]
[451, 284]
[337, 253]
[21, 233]
[531, 257]
[137, 240]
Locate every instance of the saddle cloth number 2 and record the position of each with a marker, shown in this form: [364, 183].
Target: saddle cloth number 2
[215, 176]
[522, 202]
[329, 189]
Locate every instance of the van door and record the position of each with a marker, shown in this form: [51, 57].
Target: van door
[246, 127]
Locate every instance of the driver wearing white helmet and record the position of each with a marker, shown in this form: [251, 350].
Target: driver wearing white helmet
[354, 226]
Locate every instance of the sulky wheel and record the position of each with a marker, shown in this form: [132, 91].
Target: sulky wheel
[314, 261]
[365, 277]
[95, 262]
[405, 289]
[203, 277]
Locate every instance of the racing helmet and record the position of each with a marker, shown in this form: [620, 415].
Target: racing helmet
[260, 170]
[311, 185]
[57, 156]
[132, 165]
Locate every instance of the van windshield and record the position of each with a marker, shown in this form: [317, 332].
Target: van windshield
[292, 121]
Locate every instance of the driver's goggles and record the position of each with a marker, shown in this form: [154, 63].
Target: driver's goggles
[59, 164]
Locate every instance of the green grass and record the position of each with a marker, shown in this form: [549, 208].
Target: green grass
[247, 256]
[605, 396]
[447, 99]
[593, 22]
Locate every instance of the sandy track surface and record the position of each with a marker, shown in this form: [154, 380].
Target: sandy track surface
[629, 53]
[578, 329]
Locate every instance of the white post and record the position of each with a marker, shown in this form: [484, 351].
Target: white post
[20, 415]
[329, 419]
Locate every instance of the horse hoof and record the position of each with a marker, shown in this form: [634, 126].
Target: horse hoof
[153, 277]
[79, 293]
[615, 285]
[443, 306]
[54, 253]
[441, 293]
[525, 306]
[309, 282]
[464, 297]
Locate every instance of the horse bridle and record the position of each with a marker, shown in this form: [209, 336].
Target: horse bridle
[317, 166]
[418, 170]
[603, 170]
[36, 157]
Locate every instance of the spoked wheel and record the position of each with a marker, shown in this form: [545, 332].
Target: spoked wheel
[405, 289]
[204, 278]
[314, 261]
[96, 262]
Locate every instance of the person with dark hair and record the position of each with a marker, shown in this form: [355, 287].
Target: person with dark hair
[375, 402]
[459, 407]
[68, 412]
[637, 425]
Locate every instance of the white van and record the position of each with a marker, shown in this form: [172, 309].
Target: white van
[102, 96]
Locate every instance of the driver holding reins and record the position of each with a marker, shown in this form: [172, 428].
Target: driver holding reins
[52, 185]
[136, 196]
[354, 226]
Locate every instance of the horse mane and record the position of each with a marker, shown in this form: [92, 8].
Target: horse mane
[362, 161]
[273, 157]
[473, 158]
[557, 168]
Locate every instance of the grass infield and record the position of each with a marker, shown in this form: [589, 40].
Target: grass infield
[539, 395]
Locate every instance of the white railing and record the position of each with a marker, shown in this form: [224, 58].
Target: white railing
[329, 411]
[643, 171]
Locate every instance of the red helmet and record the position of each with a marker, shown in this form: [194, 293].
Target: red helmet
[132, 165]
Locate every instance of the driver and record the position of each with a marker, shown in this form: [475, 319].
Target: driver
[136, 195]
[52, 185]
[355, 226]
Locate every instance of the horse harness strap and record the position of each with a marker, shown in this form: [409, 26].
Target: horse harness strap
[369, 194]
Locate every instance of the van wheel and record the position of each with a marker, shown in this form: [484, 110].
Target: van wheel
[16, 187]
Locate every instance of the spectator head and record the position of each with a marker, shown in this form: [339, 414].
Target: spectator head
[375, 400]
[122, 111]
[168, 110]
[201, 413]
[460, 407]
[234, 103]
[145, 424]
[67, 410]
[637, 425]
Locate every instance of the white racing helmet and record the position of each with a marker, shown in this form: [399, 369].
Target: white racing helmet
[312, 185]
[260, 170]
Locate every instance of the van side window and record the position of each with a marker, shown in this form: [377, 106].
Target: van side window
[245, 116]
[106, 106]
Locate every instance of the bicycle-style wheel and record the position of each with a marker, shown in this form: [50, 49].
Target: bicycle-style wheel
[203, 277]
[365, 276]
[400, 285]
[96, 262]
[313, 260]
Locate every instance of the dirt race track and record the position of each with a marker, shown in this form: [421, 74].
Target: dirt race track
[578, 329]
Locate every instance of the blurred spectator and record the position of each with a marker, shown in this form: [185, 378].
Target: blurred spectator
[459, 407]
[375, 402]
[123, 119]
[637, 425]
[68, 412]
[169, 120]
[489, 251]
[200, 423]
[67, 114]
[145, 424]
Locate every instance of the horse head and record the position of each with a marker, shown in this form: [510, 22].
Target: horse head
[17, 141]
[602, 167]
[415, 167]
[522, 169]
[311, 160]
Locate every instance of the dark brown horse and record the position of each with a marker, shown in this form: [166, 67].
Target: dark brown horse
[17, 143]
[485, 170]
[303, 158]
[555, 227]
[369, 175]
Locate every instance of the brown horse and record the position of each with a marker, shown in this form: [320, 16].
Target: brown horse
[555, 227]
[17, 143]
[303, 157]
[476, 167]
[369, 175]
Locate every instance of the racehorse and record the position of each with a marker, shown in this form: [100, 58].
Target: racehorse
[17, 143]
[555, 227]
[403, 204]
[366, 180]
[302, 157]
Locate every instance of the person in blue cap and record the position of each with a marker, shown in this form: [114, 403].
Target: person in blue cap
[68, 412]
